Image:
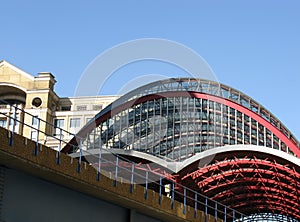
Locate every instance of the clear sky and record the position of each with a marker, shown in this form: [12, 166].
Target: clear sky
[253, 46]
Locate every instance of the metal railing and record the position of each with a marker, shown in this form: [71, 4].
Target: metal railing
[122, 170]
[15, 116]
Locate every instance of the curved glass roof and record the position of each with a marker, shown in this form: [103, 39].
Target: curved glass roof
[178, 123]
[207, 87]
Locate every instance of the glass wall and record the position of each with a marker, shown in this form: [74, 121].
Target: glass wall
[211, 88]
[176, 128]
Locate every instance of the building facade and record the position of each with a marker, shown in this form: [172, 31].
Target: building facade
[36, 96]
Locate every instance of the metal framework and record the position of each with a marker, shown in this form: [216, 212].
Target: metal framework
[250, 182]
[176, 119]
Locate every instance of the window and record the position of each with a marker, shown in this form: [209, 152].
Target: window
[81, 108]
[254, 107]
[232, 111]
[3, 122]
[245, 101]
[204, 127]
[59, 123]
[225, 92]
[204, 115]
[97, 107]
[65, 108]
[218, 118]
[11, 123]
[74, 122]
[232, 141]
[34, 121]
[87, 120]
[33, 135]
[14, 123]
[225, 140]
[36, 102]
[198, 102]
[218, 106]
[234, 96]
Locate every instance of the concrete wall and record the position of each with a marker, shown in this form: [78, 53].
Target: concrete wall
[27, 198]
[36, 169]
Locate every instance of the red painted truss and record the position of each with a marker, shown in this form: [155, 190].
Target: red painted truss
[250, 183]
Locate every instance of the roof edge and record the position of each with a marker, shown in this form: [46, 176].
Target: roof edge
[16, 69]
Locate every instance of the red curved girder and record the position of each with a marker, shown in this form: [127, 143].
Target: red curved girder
[249, 196]
[217, 176]
[85, 130]
[250, 189]
[248, 181]
[239, 163]
[263, 174]
[254, 190]
[212, 188]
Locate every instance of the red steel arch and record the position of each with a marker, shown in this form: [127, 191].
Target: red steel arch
[258, 192]
[85, 130]
[247, 182]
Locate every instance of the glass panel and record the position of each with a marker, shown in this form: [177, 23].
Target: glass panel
[74, 122]
[75, 126]
[264, 114]
[234, 96]
[198, 103]
[33, 135]
[273, 121]
[204, 115]
[232, 111]
[59, 123]
[204, 87]
[254, 107]
[225, 93]
[3, 122]
[244, 102]
[34, 121]
[218, 106]
[214, 90]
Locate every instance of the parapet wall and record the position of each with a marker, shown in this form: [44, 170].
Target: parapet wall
[20, 156]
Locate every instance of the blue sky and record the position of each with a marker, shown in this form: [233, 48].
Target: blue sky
[252, 46]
